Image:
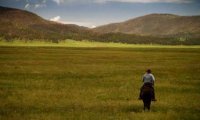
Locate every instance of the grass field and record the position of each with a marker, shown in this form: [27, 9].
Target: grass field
[86, 44]
[62, 83]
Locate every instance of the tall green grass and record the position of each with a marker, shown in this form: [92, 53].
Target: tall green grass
[85, 43]
[61, 83]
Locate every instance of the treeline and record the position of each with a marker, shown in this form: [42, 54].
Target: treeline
[137, 39]
[55, 37]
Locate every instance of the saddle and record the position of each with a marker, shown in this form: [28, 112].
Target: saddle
[147, 87]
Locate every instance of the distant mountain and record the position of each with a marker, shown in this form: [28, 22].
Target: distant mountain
[150, 29]
[156, 25]
[15, 23]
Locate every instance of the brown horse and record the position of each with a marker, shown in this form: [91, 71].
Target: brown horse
[147, 94]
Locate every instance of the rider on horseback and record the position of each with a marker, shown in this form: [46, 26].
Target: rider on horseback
[148, 80]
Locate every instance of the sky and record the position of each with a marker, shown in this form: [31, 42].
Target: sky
[92, 13]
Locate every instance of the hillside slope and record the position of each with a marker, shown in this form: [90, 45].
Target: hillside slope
[22, 24]
[156, 25]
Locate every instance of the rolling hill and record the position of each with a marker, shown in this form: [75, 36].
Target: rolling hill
[22, 24]
[150, 29]
[156, 25]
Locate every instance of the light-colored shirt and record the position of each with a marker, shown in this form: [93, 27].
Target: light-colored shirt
[148, 78]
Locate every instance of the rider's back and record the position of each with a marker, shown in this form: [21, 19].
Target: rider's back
[148, 78]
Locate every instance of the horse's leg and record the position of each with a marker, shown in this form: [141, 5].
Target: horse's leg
[149, 105]
[144, 105]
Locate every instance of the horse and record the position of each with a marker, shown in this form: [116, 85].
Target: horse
[147, 93]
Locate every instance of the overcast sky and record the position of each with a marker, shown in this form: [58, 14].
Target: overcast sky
[93, 13]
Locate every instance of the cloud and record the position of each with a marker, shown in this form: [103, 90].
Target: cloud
[34, 3]
[145, 1]
[39, 5]
[56, 19]
[27, 6]
[58, 1]
[42, 3]
[93, 26]
[85, 24]
[122, 1]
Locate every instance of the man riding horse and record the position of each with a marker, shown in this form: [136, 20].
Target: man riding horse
[148, 81]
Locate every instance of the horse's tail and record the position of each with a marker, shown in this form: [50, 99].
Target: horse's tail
[147, 93]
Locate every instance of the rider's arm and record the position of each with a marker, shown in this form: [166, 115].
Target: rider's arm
[153, 78]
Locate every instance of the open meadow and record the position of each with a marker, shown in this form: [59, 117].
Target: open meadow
[97, 83]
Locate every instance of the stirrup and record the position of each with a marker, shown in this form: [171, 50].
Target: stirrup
[154, 100]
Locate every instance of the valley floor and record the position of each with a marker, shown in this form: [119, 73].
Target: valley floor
[95, 83]
[87, 44]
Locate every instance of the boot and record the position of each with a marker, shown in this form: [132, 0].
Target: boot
[153, 97]
[140, 96]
